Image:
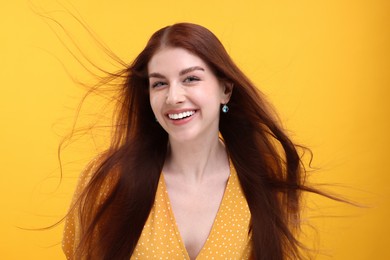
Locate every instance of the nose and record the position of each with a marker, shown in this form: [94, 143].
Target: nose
[175, 94]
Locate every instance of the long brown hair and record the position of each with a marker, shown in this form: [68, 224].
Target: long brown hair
[267, 162]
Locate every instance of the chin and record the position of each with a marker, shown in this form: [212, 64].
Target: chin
[184, 136]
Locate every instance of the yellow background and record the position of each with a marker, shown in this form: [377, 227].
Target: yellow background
[323, 64]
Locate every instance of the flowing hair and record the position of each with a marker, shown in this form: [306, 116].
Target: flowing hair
[115, 203]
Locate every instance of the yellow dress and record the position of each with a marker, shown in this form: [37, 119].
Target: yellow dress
[229, 237]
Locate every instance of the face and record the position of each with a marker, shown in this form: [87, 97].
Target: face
[185, 95]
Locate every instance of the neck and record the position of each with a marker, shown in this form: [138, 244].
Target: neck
[194, 161]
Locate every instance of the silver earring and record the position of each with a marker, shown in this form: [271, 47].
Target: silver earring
[225, 108]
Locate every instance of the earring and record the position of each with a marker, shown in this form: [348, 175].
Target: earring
[225, 108]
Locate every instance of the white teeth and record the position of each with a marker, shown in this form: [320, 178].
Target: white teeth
[181, 115]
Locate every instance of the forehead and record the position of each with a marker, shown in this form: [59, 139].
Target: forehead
[174, 60]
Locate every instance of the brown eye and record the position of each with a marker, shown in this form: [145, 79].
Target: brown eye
[190, 79]
[158, 84]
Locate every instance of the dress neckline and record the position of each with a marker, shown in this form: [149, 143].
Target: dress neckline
[212, 230]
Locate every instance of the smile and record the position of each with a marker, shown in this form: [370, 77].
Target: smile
[181, 115]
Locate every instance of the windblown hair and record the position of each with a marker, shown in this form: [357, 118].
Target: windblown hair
[267, 162]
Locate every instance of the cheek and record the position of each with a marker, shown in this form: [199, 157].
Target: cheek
[214, 94]
[155, 103]
[214, 89]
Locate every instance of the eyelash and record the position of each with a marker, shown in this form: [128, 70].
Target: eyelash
[157, 84]
[189, 79]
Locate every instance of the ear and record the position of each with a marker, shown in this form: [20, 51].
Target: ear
[227, 90]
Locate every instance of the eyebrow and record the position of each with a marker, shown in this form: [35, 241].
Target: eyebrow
[181, 73]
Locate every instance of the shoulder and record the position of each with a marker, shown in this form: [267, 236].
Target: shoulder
[72, 229]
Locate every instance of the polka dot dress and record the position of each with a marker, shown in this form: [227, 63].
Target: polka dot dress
[228, 238]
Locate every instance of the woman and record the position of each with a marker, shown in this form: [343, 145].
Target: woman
[198, 166]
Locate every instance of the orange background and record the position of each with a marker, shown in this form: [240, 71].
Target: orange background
[323, 64]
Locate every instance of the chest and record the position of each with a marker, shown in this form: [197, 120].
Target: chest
[203, 225]
[195, 210]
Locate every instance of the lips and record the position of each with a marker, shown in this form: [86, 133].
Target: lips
[181, 115]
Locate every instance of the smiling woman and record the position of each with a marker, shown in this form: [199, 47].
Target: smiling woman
[185, 92]
[186, 100]
[214, 176]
